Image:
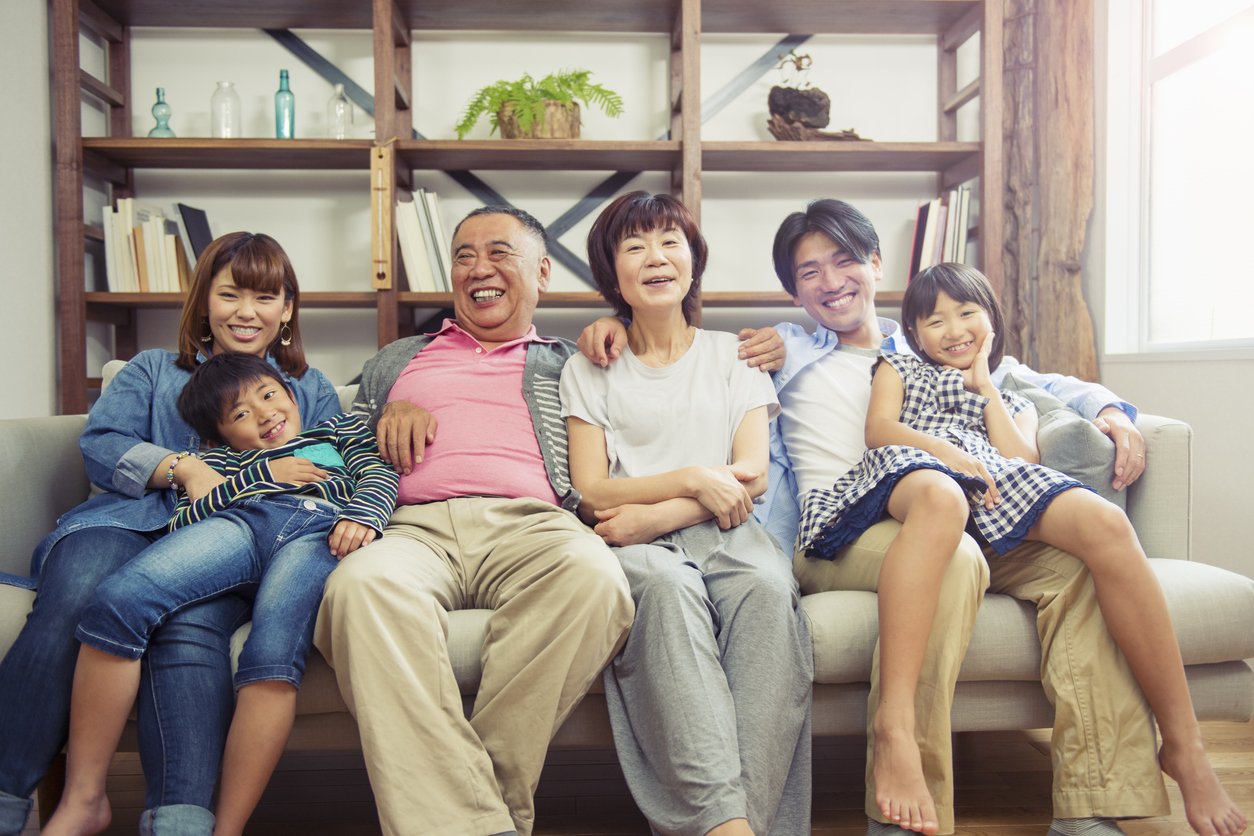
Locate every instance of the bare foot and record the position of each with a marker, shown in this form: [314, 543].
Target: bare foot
[1206, 804]
[900, 790]
[79, 816]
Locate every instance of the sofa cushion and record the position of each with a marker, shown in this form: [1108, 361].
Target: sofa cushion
[1212, 609]
[1071, 443]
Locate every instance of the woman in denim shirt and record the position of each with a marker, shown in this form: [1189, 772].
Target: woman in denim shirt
[244, 297]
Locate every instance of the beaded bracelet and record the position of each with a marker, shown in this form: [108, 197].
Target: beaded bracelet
[169, 473]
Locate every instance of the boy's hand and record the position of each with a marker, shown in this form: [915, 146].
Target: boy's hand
[404, 431]
[762, 348]
[293, 470]
[347, 537]
[603, 340]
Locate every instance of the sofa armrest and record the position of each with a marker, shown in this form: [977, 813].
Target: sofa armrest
[1160, 502]
[43, 478]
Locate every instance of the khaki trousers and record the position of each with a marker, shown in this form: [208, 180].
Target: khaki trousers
[562, 609]
[1103, 747]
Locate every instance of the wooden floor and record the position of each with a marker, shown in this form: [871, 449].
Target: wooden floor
[1003, 787]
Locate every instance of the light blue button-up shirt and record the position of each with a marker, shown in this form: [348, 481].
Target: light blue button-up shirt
[780, 510]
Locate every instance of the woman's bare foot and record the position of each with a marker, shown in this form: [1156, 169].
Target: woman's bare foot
[79, 816]
[1206, 804]
[900, 789]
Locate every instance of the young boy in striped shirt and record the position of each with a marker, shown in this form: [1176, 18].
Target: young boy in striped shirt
[288, 505]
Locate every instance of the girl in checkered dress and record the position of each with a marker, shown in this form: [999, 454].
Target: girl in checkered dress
[948, 451]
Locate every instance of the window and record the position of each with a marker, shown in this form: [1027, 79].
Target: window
[1180, 189]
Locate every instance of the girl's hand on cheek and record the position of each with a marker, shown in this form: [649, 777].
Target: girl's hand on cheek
[977, 378]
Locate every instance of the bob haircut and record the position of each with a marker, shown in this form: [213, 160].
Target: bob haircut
[847, 228]
[216, 384]
[257, 263]
[960, 283]
[632, 214]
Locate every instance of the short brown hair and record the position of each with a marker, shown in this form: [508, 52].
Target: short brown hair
[257, 263]
[960, 283]
[631, 214]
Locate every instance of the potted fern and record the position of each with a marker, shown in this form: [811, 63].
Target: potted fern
[544, 109]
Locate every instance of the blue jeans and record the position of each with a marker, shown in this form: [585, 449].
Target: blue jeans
[275, 544]
[180, 739]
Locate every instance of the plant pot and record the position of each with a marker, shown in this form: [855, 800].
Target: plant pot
[561, 121]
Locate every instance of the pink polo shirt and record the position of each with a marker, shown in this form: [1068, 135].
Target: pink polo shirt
[485, 442]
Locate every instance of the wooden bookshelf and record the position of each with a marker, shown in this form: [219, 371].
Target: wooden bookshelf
[685, 155]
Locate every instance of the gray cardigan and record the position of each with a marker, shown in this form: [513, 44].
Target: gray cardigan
[541, 375]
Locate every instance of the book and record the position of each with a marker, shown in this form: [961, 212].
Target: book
[936, 225]
[414, 248]
[124, 235]
[427, 225]
[962, 226]
[916, 244]
[196, 222]
[950, 248]
[142, 258]
[109, 218]
[442, 242]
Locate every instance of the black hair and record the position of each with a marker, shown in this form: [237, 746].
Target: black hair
[632, 214]
[523, 217]
[216, 384]
[848, 229]
[960, 283]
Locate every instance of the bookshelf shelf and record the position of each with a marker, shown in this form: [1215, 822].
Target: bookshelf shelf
[525, 154]
[286, 154]
[837, 156]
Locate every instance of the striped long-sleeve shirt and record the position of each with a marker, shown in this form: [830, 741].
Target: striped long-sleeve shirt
[359, 482]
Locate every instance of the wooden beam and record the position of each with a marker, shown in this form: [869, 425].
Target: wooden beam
[100, 90]
[68, 208]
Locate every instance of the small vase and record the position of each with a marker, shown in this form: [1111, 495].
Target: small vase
[284, 109]
[224, 112]
[339, 114]
[161, 112]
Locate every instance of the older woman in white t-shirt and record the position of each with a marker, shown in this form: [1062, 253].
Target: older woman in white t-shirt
[710, 698]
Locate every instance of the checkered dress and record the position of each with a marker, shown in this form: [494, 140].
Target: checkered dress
[935, 402]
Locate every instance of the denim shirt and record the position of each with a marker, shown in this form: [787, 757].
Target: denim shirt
[134, 427]
[780, 508]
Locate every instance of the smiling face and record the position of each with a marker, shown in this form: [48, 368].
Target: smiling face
[836, 289]
[499, 272]
[953, 333]
[654, 270]
[244, 320]
[262, 416]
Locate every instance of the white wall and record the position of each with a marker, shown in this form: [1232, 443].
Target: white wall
[28, 338]
[1209, 389]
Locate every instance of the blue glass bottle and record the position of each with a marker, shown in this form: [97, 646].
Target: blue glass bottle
[161, 112]
[284, 109]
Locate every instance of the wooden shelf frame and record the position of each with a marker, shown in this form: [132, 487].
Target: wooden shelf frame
[685, 156]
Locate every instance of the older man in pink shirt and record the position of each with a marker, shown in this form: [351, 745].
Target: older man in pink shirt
[484, 520]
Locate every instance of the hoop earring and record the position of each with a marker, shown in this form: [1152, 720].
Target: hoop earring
[285, 335]
[208, 337]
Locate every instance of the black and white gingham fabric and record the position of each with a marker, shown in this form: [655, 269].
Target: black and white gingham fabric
[937, 403]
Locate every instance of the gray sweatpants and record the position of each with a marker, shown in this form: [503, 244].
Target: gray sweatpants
[709, 699]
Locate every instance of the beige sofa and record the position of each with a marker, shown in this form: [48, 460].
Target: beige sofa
[998, 689]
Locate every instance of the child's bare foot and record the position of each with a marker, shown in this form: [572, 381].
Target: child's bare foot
[900, 790]
[1206, 804]
[79, 816]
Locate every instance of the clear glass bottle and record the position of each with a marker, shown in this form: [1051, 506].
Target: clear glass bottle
[284, 109]
[339, 115]
[161, 112]
[224, 112]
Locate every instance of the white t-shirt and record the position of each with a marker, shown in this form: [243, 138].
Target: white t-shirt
[824, 420]
[658, 420]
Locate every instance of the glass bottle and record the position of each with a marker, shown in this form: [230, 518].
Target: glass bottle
[224, 112]
[339, 115]
[284, 109]
[161, 112]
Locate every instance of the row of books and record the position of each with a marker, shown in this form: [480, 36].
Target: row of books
[146, 251]
[940, 230]
[424, 243]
